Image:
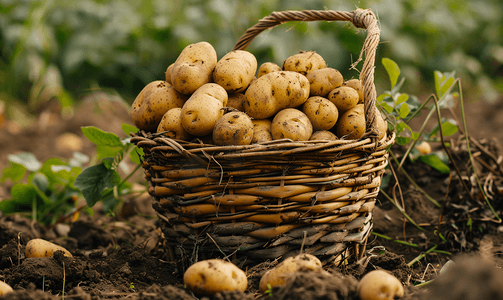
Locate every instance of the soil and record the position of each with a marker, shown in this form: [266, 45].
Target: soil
[121, 256]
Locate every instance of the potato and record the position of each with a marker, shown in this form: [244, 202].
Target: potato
[323, 135]
[208, 277]
[351, 123]
[167, 74]
[172, 123]
[203, 109]
[236, 101]
[278, 275]
[357, 85]
[322, 81]
[304, 62]
[261, 131]
[153, 102]
[194, 67]
[382, 125]
[43, 248]
[423, 148]
[268, 67]
[292, 124]
[5, 288]
[274, 92]
[344, 98]
[234, 128]
[322, 113]
[235, 71]
[379, 285]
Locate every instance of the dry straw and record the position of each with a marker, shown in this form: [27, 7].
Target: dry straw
[263, 201]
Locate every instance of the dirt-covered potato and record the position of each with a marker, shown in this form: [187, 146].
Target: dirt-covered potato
[344, 98]
[322, 113]
[235, 70]
[351, 123]
[357, 85]
[167, 74]
[278, 275]
[304, 62]
[266, 68]
[322, 81]
[171, 122]
[275, 91]
[423, 147]
[194, 67]
[208, 277]
[261, 131]
[234, 128]
[323, 135]
[203, 109]
[5, 288]
[379, 285]
[153, 102]
[292, 124]
[43, 248]
[236, 101]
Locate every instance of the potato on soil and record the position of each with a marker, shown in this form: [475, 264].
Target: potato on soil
[278, 275]
[344, 98]
[5, 288]
[172, 123]
[266, 68]
[291, 123]
[194, 67]
[203, 109]
[43, 248]
[322, 81]
[235, 70]
[423, 148]
[236, 101]
[304, 62]
[261, 131]
[379, 285]
[234, 128]
[153, 102]
[208, 277]
[321, 135]
[275, 91]
[351, 123]
[322, 113]
[357, 85]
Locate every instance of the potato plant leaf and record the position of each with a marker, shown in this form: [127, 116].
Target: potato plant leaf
[15, 173]
[127, 128]
[100, 137]
[449, 127]
[26, 159]
[392, 69]
[404, 110]
[93, 180]
[434, 161]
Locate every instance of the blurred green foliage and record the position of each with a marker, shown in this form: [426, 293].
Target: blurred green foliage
[64, 48]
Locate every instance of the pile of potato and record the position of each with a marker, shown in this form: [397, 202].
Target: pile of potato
[222, 102]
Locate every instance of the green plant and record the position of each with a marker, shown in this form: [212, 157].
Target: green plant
[102, 181]
[46, 190]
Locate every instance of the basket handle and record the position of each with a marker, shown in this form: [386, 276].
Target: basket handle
[361, 18]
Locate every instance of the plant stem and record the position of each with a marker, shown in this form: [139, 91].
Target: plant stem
[421, 256]
[106, 194]
[402, 211]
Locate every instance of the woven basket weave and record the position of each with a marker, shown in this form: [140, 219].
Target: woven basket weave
[263, 201]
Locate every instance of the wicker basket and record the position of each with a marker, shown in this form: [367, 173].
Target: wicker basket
[270, 200]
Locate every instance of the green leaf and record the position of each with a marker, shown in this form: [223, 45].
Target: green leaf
[438, 77]
[435, 162]
[26, 159]
[388, 108]
[449, 127]
[127, 128]
[136, 155]
[15, 173]
[382, 96]
[392, 69]
[93, 180]
[404, 110]
[23, 194]
[106, 151]
[40, 181]
[101, 138]
[443, 82]
[400, 140]
[402, 98]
